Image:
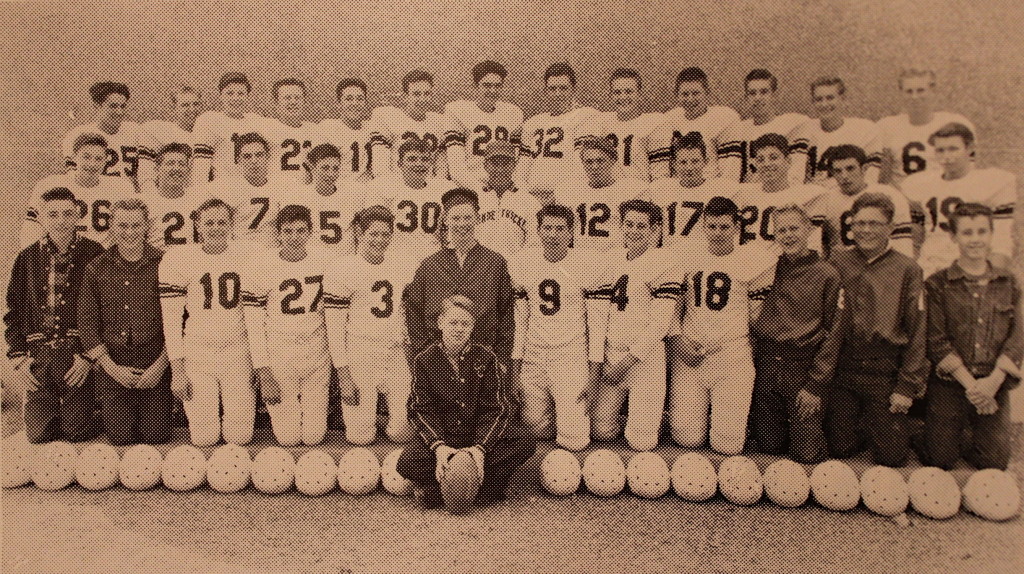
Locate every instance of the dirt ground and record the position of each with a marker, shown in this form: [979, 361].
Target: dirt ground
[161, 531]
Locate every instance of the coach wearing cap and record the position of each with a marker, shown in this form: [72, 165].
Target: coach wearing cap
[507, 214]
[462, 267]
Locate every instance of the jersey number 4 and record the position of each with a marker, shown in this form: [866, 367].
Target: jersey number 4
[296, 292]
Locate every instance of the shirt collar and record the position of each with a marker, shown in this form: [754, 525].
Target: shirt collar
[50, 248]
[956, 273]
[811, 257]
[879, 257]
[149, 253]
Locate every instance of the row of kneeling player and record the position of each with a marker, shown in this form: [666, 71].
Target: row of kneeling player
[831, 353]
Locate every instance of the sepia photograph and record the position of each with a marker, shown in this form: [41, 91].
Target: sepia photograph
[538, 286]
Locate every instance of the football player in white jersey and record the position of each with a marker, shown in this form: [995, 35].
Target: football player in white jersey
[205, 280]
[627, 126]
[283, 297]
[550, 137]
[94, 192]
[683, 196]
[558, 349]
[111, 100]
[907, 150]
[331, 202]
[595, 197]
[289, 134]
[713, 368]
[413, 197]
[813, 143]
[155, 134]
[643, 287]
[506, 212]
[693, 114]
[833, 210]
[735, 159]
[958, 180]
[392, 126]
[366, 327]
[219, 130]
[773, 189]
[253, 194]
[472, 124]
[351, 133]
[172, 198]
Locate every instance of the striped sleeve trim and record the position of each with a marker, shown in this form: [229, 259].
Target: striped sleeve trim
[901, 232]
[731, 149]
[147, 153]
[378, 139]
[453, 138]
[202, 150]
[584, 138]
[1003, 211]
[659, 155]
[169, 291]
[760, 294]
[670, 290]
[331, 301]
[519, 293]
[250, 299]
[602, 292]
[799, 146]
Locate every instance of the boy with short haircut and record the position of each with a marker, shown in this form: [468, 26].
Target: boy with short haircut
[975, 342]
[796, 338]
[122, 331]
[42, 328]
[462, 409]
[111, 102]
[882, 366]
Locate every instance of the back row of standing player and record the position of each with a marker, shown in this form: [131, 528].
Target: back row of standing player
[366, 166]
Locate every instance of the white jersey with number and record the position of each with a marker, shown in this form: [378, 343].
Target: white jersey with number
[908, 143]
[642, 295]
[682, 207]
[549, 142]
[156, 134]
[332, 214]
[219, 134]
[735, 161]
[757, 225]
[811, 149]
[283, 301]
[93, 206]
[719, 291]
[938, 198]
[470, 129]
[596, 211]
[509, 223]
[288, 148]
[364, 301]
[354, 145]
[255, 206]
[171, 223]
[711, 125]
[393, 126]
[209, 288]
[417, 212]
[554, 294]
[832, 211]
[629, 137]
[122, 148]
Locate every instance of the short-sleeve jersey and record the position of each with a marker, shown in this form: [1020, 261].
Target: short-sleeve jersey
[392, 126]
[711, 126]
[288, 147]
[550, 140]
[629, 137]
[209, 287]
[909, 143]
[170, 218]
[832, 210]
[735, 161]
[122, 148]
[470, 129]
[219, 134]
[509, 223]
[596, 211]
[555, 293]
[155, 134]
[757, 222]
[719, 290]
[93, 206]
[811, 149]
[632, 287]
[940, 197]
[417, 211]
[372, 295]
[354, 145]
[682, 207]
